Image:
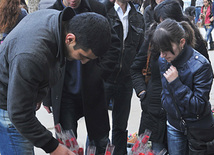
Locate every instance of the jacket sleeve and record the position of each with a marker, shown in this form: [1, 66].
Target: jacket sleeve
[136, 68]
[27, 83]
[47, 100]
[194, 100]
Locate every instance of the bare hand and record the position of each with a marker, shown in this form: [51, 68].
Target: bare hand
[171, 74]
[62, 150]
[48, 109]
[38, 105]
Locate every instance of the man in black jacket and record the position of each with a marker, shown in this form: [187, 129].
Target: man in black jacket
[31, 60]
[129, 26]
[80, 92]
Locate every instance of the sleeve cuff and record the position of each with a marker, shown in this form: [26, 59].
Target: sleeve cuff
[51, 145]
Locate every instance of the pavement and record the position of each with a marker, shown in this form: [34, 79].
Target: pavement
[133, 122]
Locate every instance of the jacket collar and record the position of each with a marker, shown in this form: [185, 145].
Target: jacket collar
[113, 13]
[183, 57]
[65, 15]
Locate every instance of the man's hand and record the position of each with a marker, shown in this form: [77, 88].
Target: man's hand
[48, 109]
[38, 105]
[142, 95]
[62, 150]
[171, 74]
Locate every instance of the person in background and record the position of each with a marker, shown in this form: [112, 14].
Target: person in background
[197, 4]
[190, 13]
[129, 26]
[149, 13]
[11, 13]
[186, 78]
[80, 91]
[32, 57]
[24, 5]
[208, 18]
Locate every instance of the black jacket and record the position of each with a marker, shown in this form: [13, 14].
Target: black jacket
[130, 46]
[153, 115]
[93, 73]
[190, 90]
[27, 70]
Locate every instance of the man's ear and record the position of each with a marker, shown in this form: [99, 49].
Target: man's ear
[70, 38]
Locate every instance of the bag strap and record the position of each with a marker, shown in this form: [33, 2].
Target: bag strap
[179, 113]
[147, 61]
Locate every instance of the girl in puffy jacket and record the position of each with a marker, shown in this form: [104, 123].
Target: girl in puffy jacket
[186, 77]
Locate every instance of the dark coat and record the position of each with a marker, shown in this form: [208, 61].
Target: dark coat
[27, 70]
[190, 90]
[93, 73]
[148, 17]
[130, 46]
[153, 115]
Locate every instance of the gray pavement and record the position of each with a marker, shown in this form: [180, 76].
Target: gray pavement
[134, 119]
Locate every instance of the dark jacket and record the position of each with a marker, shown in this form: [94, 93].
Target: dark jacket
[27, 70]
[131, 44]
[93, 73]
[190, 90]
[153, 115]
[148, 17]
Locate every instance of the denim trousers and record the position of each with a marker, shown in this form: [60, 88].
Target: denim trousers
[197, 13]
[177, 142]
[70, 112]
[120, 94]
[11, 141]
[208, 35]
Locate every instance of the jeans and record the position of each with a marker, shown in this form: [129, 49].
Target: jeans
[208, 35]
[177, 142]
[197, 13]
[120, 94]
[11, 141]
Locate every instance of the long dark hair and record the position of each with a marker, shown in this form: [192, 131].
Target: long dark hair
[9, 12]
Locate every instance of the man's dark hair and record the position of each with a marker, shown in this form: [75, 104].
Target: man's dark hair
[92, 31]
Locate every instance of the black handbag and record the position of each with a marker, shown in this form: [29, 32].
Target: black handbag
[200, 141]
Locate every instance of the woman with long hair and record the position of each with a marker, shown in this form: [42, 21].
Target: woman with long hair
[11, 13]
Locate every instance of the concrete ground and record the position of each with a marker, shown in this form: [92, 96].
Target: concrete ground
[133, 123]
